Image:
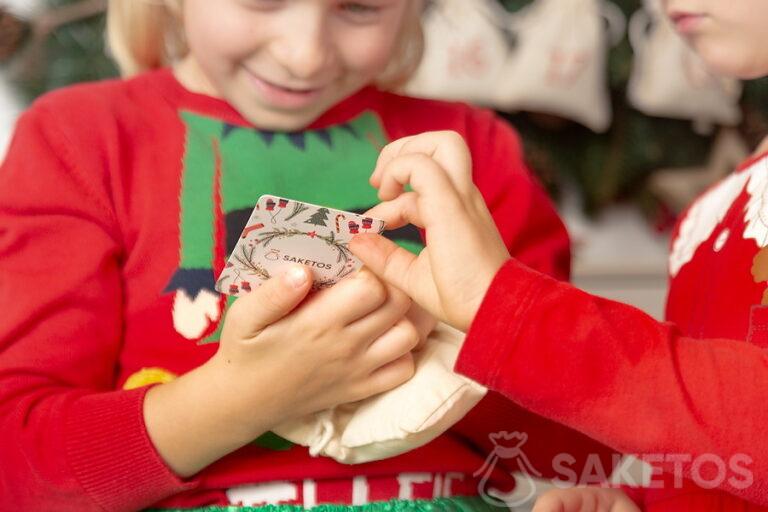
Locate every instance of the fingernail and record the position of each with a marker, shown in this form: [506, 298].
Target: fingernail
[296, 277]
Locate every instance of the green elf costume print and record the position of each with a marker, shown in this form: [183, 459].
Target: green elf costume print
[227, 168]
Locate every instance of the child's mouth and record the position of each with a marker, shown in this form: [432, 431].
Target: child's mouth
[284, 97]
[686, 22]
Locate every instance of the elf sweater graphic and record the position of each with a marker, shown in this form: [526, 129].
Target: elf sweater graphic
[227, 168]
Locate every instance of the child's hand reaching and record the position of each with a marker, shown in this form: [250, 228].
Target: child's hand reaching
[279, 360]
[464, 250]
[585, 499]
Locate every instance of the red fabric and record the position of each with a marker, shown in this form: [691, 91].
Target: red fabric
[695, 385]
[89, 228]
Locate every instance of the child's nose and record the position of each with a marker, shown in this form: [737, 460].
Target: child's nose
[305, 50]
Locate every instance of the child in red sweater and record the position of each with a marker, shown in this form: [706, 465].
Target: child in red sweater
[119, 203]
[690, 393]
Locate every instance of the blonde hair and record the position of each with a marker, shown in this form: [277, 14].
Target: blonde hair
[147, 34]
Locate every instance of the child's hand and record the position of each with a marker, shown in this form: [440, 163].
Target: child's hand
[342, 345]
[464, 250]
[585, 499]
[279, 360]
[423, 321]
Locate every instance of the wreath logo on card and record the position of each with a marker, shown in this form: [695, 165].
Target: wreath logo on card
[342, 250]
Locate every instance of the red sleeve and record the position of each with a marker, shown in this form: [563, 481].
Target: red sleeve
[534, 233]
[77, 444]
[616, 374]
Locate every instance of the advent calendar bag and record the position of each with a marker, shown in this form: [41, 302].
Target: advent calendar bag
[399, 420]
[465, 49]
[670, 80]
[559, 64]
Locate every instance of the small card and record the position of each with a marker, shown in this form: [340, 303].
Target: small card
[283, 231]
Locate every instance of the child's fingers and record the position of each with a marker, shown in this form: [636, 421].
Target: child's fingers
[437, 200]
[398, 212]
[400, 339]
[385, 259]
[380, 321]
[389, 152]
[561, 500]
[447, 148]
[424, 322]
[350, 299]
[585, 499]
[425, 176]
[273, 300]
[390, 375]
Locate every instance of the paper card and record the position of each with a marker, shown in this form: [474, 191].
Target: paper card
[283, 231]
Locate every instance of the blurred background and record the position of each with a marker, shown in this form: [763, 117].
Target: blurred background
[622, 123]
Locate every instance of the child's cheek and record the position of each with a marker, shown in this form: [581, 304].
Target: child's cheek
[369, 55]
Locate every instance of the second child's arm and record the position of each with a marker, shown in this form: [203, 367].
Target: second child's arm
[528, 228]
[601, 367]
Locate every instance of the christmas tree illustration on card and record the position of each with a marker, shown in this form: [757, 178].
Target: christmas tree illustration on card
[319, 218]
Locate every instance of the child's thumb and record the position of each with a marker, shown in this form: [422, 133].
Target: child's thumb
[272, 300]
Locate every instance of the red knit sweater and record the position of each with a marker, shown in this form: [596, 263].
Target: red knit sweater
[118, 201]
[691, 393]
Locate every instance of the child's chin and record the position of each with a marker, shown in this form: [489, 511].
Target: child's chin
[278, 119]
[741, 63]
[741, 71]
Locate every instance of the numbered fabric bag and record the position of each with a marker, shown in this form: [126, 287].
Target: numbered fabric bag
[465, 49]
[559, 63]
[670, 80]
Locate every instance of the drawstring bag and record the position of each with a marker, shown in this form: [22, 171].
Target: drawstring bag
[399, 420]
[670, 80]
[559, 65]
[465, 50]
